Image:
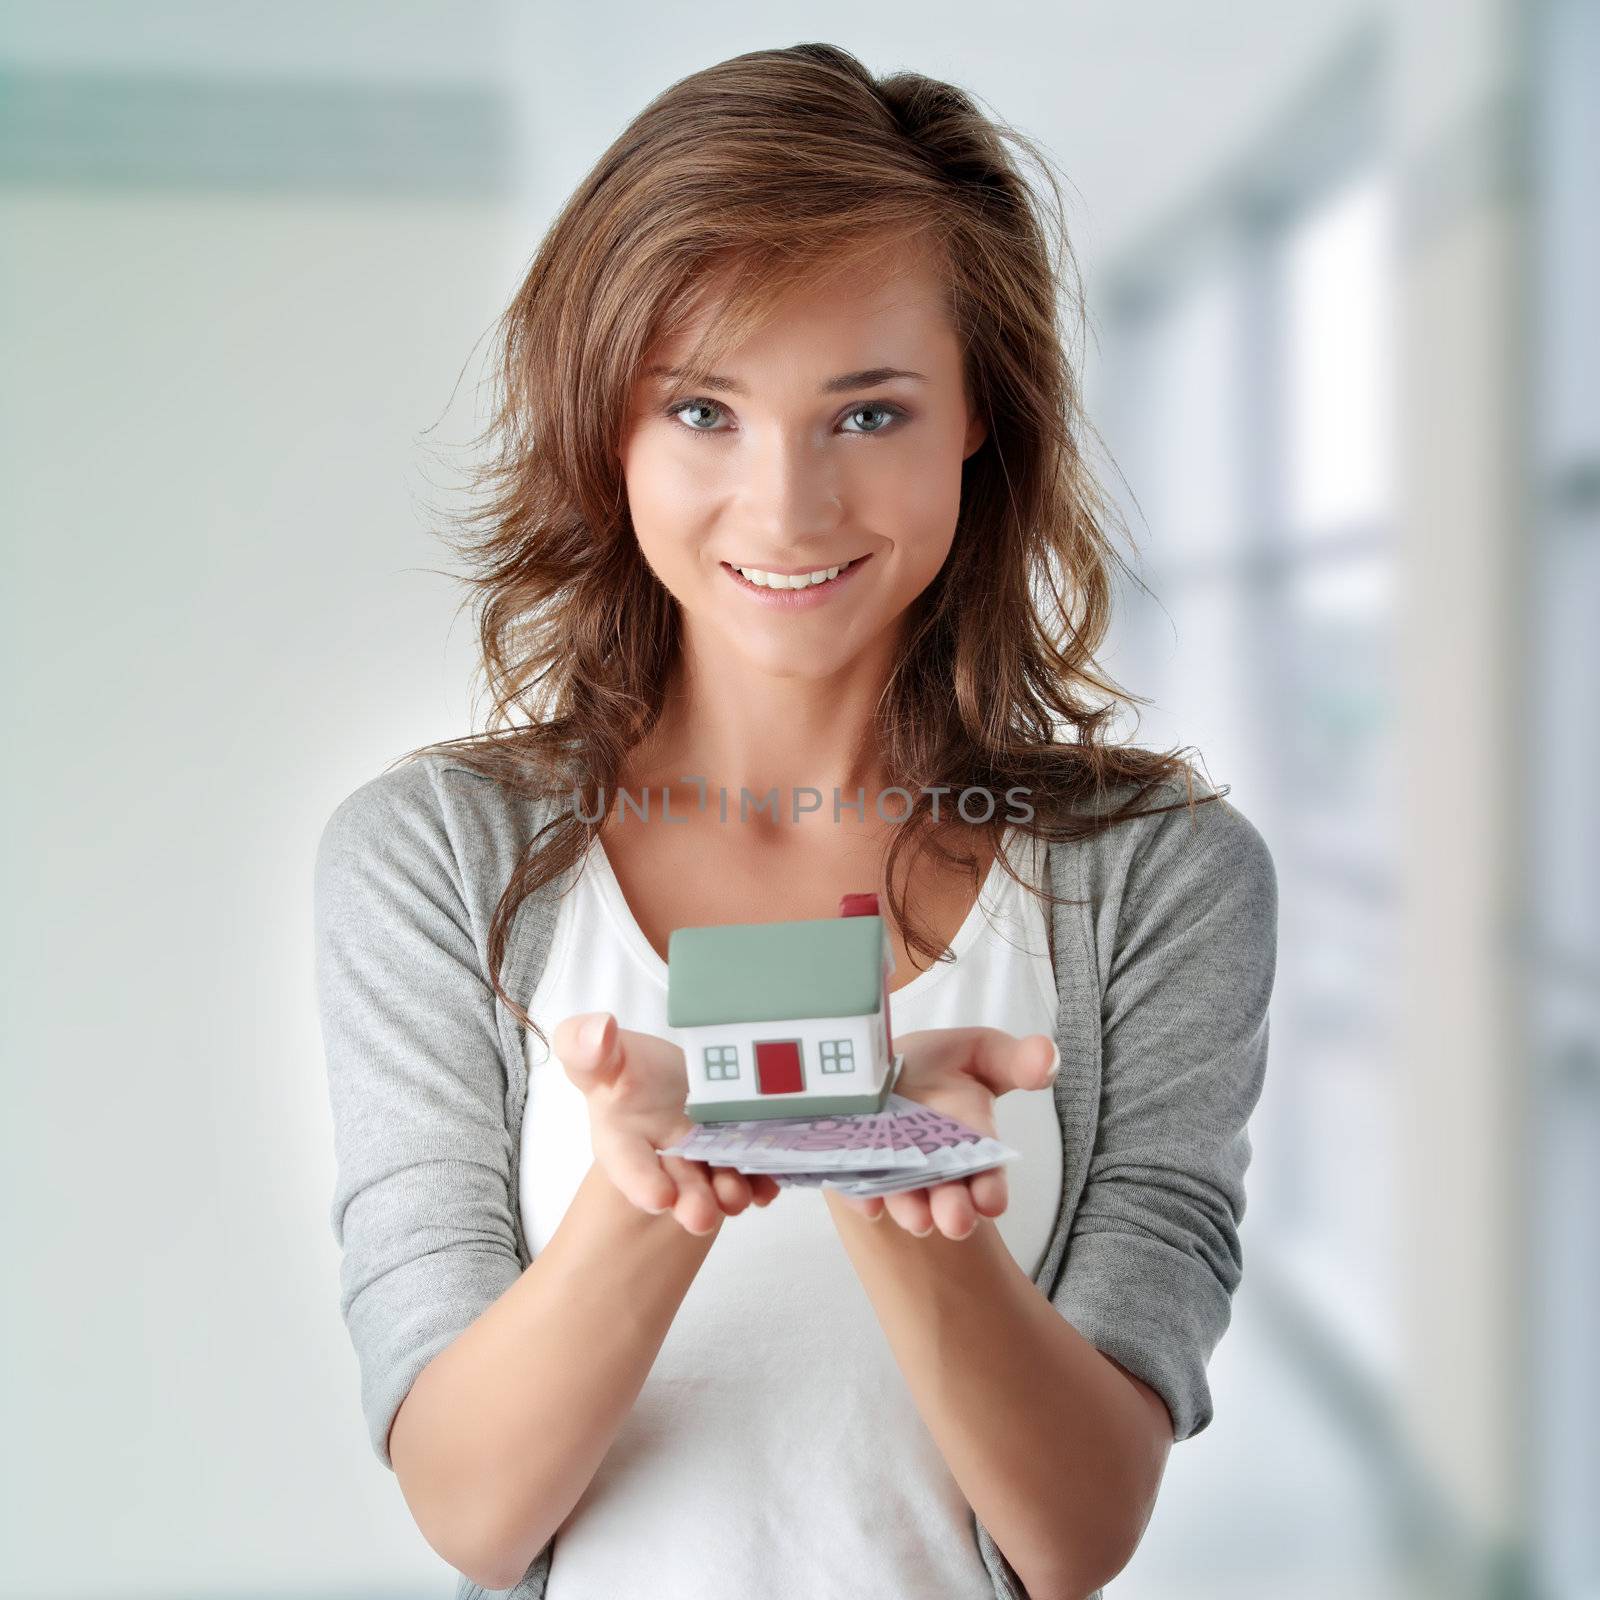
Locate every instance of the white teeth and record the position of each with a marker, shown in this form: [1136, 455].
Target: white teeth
[778, 580]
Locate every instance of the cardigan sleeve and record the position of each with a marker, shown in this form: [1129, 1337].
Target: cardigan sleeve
[1153, 1254]
[422, 1201]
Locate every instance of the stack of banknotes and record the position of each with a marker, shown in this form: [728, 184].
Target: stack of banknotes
[904, 1146]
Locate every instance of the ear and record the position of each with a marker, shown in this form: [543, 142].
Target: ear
[977, 432]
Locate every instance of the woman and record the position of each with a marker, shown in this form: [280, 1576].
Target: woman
[789, 502]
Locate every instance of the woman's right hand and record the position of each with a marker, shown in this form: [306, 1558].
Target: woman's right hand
[635, 1085]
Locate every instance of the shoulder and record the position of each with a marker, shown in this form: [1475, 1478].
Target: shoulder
[1192, 857]
[403, 793]
[431, 813]
[402, 810]
[1183, 834]
[441, 789]
[1202, 845]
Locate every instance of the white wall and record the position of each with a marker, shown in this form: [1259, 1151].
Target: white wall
[222, 619]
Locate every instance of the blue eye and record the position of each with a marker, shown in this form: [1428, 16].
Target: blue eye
[694, 405]
[893, 414]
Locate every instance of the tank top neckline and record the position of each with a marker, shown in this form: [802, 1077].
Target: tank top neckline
[627, 925]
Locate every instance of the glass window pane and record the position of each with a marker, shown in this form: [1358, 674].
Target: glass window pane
[1338, 357]
[1178, 441]
[1567, 239]
[1562, 793]
[1340, 768]
[1192, 656]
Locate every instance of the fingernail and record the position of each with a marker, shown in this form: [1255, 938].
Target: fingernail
[592, 1031]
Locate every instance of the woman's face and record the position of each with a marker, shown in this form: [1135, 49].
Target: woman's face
[834, 435]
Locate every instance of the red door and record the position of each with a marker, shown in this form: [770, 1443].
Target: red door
[778, 1066]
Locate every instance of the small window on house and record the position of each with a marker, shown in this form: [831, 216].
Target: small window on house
[722, 1061]
[838, 1055]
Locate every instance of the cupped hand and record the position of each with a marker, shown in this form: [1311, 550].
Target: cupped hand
[961, 1072]
[635, 1086]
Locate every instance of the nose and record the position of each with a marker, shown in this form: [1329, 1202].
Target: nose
[789, 492]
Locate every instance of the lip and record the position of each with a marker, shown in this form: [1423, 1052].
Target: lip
[815, 594]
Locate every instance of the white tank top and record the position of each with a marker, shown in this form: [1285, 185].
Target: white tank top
[775, 1448]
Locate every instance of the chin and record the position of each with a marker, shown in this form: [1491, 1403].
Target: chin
[787, 662]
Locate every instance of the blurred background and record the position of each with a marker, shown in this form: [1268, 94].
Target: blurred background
[1341, 263]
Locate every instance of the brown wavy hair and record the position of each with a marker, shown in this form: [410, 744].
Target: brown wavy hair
[756, 175]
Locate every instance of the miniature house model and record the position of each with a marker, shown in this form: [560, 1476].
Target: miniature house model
[784, 1019]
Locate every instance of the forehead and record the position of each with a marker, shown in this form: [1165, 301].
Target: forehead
[894, 302]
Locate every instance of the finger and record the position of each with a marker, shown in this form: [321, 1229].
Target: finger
[637, 1170]
[696, 1207]
[1040, 1066]
[869, 1205]
[1001, 1062]
[763, 1188]
[731, 1190]
[909, 1207]
[953, 1212]
[654, 1055]
[588, 1048]
[990, 1192]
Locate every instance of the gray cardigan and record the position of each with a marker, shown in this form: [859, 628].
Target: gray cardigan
[1164, 972]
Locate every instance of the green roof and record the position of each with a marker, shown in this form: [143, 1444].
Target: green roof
[774, 971]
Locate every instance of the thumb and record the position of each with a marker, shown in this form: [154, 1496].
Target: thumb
[1035, 1061]
[587, 1044]
[1053, 1066]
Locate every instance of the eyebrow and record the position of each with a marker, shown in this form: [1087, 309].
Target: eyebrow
[863, 379]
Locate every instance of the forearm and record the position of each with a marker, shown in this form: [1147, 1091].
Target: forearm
[1047, 1439]
[504, 1430]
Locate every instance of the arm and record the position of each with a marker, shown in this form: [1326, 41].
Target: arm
[1153, 1256]
[1057, 1450]
[503, 1431]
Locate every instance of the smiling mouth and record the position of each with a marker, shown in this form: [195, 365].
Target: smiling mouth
[795, 583]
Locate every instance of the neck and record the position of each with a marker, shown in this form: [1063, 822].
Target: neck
[749, 730]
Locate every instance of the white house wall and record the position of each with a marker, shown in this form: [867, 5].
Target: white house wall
[865, 1034]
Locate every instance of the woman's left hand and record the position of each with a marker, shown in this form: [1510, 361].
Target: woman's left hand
[961, 1072]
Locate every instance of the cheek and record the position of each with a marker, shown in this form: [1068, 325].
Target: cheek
[914, 498]
[664, 497]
